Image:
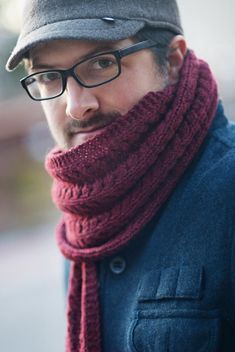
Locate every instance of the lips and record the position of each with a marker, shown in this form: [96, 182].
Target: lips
[79, 138]
[89, 129]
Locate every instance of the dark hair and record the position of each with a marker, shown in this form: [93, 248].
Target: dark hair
[160, 36]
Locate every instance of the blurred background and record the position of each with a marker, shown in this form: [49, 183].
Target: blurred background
[32, 301]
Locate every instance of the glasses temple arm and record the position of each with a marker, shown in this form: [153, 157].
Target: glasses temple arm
[139, 46]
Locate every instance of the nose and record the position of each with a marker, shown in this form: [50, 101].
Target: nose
[81, 102]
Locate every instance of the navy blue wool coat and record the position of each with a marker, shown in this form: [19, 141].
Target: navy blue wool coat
[173, 288]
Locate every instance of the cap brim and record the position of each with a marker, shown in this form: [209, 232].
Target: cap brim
[82, 29]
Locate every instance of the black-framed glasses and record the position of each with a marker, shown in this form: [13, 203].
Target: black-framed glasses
[91, 72]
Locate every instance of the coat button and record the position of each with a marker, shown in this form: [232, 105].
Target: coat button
[117, 265]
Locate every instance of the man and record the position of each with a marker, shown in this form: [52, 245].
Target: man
[144, 173]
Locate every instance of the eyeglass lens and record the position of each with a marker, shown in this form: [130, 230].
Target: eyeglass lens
[44, 85]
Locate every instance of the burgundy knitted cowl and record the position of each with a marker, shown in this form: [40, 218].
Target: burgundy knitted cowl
[111, 186]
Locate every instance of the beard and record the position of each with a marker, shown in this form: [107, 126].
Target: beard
[74, 127]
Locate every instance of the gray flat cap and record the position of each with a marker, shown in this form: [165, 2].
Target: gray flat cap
[45, 20]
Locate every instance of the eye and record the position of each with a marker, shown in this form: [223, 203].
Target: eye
[102, 63]
[48, 77]
[30, 80]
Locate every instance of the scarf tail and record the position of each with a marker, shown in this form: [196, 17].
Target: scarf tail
[74, 308]
[90, 339]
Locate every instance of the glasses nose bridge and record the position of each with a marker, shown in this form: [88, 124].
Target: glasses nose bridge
[70, 72]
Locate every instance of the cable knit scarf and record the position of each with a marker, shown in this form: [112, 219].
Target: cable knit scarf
[111, 186]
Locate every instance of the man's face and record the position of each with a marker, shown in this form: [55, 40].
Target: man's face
[80, 113]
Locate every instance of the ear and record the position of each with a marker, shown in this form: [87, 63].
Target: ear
[177, 51]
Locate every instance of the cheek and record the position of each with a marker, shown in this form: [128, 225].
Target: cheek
[126, 91]
[54, 114]
[120, 96]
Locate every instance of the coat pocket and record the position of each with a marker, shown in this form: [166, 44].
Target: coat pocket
[175, 331]
[169, 315]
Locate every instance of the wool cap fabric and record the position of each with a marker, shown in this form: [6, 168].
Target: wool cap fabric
[45, 20]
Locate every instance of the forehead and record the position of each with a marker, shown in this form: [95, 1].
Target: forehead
[58, 51]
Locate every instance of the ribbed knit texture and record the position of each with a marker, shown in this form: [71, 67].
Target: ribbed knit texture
[111, 186]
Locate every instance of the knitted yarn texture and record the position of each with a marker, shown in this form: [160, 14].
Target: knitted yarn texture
[110, 187]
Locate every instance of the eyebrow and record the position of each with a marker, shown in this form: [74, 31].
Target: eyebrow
[36, 64]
